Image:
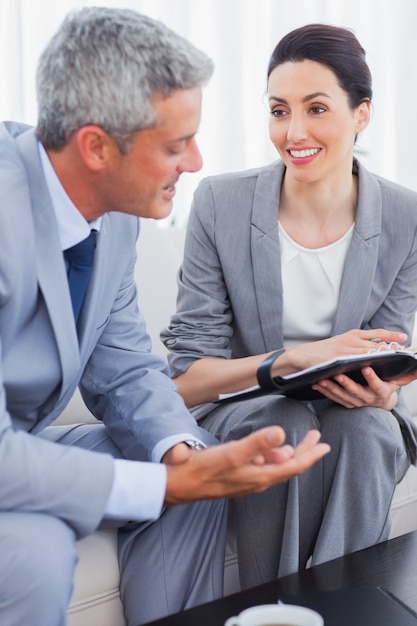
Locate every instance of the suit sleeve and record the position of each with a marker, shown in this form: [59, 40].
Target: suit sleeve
[202, 324]
[44, 477]
[396, 273]
[127, 386]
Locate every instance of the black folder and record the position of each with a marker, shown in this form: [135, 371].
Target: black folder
[387, 365]
[356, 607]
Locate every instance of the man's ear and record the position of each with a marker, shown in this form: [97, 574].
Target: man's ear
[95, 146]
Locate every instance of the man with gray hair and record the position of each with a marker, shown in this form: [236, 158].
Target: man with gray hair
[119, 99]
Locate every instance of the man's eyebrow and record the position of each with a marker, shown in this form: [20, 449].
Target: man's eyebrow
[184, 138]
[307, 98]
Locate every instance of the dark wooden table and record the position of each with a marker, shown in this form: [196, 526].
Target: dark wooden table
[391, 565]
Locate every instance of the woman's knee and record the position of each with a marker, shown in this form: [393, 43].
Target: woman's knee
[369, 429]
[238, 419]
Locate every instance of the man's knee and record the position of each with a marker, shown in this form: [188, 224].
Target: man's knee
[37, 567]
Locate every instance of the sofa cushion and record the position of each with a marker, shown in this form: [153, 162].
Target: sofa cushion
[96, 597]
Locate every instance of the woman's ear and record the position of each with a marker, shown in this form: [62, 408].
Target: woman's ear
[95, 146]
[363, 113]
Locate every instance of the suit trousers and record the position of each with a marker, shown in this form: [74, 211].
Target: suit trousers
[338, 506]
[165, 566]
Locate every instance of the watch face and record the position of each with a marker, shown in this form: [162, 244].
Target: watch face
[194, 445]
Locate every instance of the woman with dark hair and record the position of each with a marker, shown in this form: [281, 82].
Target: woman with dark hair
[306, 259]
[336, 48]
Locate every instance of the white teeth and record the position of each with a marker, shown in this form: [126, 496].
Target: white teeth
[299, 154]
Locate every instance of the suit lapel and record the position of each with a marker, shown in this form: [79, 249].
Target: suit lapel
[93, 297]
[362, 257]
[360, 266]
[265, 251]
[49, 261]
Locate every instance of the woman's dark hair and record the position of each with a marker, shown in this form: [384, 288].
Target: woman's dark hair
[337, 48]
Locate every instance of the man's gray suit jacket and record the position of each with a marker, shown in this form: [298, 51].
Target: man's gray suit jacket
[43, 360]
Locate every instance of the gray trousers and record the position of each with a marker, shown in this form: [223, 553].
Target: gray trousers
[165, 566]
[340, 505]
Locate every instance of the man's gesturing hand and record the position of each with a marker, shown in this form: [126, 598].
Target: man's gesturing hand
[237, 468]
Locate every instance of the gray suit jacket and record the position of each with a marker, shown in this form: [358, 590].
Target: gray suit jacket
[43, 360]
[230, 290]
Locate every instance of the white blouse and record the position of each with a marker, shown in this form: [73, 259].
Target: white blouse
[311, 281]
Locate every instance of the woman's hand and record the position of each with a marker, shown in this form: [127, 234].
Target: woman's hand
[209, 377]
[350, 394]
[352, 342]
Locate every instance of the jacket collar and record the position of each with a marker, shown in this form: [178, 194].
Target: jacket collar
[360, 263]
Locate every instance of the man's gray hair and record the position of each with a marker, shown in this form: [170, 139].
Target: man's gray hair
[104, 66]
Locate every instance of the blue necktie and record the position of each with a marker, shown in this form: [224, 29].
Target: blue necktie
[79, 263]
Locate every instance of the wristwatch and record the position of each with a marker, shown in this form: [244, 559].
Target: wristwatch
[265, 380]
[194, 445]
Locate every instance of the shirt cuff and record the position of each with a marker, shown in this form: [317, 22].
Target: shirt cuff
[138, 491]
[167, 443]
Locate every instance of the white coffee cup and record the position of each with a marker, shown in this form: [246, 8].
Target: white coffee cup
[275, 614]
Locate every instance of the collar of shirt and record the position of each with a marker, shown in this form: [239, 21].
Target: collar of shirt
[72, 226]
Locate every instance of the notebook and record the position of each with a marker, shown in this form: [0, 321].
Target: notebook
[387, 365]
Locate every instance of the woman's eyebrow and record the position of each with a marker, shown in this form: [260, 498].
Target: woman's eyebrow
[310, 96]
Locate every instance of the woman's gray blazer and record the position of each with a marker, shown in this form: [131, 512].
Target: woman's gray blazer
[230, 289]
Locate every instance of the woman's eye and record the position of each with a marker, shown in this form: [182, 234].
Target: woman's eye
[278, 112]
[317, 108]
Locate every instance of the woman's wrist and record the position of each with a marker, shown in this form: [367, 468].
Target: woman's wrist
[284, 364]
[392, 401]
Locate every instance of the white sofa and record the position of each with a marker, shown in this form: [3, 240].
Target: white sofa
[95, 600]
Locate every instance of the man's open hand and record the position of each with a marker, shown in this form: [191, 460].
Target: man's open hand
[238, 468]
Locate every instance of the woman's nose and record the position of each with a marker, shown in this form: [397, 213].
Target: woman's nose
[297, 128]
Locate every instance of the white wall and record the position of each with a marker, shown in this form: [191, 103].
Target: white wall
[159, 257]
[240, 35]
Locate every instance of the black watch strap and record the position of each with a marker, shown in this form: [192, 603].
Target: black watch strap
[265, 380]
